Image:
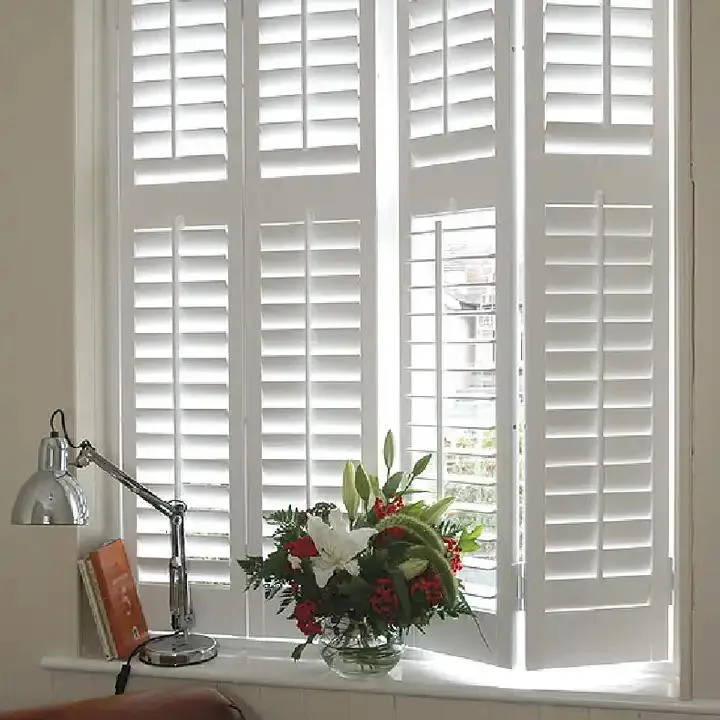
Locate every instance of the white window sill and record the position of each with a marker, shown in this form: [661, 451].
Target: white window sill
[638, 686]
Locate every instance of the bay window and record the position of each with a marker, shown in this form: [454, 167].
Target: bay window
[447, 217]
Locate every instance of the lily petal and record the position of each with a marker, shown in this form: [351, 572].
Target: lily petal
[323, 571]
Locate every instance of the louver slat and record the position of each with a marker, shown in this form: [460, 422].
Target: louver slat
[179, 95]
[181, 407]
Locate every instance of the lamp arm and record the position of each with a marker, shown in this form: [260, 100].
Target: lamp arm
[182, 616]
[88, 454]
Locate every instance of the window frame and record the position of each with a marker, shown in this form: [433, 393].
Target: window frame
[683, 310]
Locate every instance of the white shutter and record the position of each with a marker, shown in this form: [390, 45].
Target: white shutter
[457, 318]
[310, 230]
[178, 218]
[596, 308]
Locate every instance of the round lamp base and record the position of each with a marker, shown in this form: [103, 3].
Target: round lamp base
[178, 650]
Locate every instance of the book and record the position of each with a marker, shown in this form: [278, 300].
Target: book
[114, 599]
[93, 596]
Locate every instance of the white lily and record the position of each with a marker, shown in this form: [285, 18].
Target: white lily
[336, 545]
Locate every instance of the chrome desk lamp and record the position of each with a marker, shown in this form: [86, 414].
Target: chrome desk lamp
[52, 496]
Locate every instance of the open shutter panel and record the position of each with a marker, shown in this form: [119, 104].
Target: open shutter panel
[310, 230]
[597, 278]
[177, 219]
[456, 288]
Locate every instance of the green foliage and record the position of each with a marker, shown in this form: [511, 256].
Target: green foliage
[401, 588]
[434, 513]
[362, 485]
[469, 539]
[350, 496]
[252, 567]
[416, 527]
[393, 483]
[389, 451]
[375, 486]
[421, 465]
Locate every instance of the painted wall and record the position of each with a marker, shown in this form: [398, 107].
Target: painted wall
[38, 589]
[706, 478]
[39, 597]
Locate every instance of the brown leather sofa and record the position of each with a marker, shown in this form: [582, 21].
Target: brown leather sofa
[202, 704]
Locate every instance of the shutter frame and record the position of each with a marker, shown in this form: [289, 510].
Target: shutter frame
[445, 187]
[185, 212]
[629, 621]
[320, 200]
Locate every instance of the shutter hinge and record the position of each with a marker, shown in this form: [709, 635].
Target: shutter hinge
[519, 585]
[671, 580]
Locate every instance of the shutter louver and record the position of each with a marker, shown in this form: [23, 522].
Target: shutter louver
[598, 84]
[310, 357]
[452, 80]
[310, 228]
[179, 91]
[178, 213]
[597, 382]
[309, 104]
[456, 270]
[181, 395]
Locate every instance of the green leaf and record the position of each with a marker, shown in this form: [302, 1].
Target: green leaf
[401, 588]
[435, 512]
[421, 465]
[468, 541]
[393, 483]
[362, 485]
[298, 649]
[351, 499]
[415, 509]
[375, 486]
[389, 450]
[412, 567]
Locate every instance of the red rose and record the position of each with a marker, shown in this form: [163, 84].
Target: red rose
[304, 547]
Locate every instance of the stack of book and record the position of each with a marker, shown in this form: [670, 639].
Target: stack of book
[114, 602]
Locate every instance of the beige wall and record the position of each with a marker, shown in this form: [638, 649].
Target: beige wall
[706, 479]
[38, 601]
[37, 574]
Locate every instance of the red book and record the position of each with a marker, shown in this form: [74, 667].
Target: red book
[118, 597]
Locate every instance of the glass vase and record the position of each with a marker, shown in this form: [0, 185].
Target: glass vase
[352, 648]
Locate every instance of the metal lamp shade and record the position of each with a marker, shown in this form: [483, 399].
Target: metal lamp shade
[51, 496]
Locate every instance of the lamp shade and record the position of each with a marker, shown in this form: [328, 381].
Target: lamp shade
[52, 495]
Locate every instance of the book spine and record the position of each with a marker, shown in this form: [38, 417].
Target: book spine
[101, 608]
[93, 601]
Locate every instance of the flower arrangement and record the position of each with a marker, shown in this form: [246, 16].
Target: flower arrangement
[387, 564]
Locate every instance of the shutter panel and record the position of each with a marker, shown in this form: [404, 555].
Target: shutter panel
[310, 229]
[177, 217]
[597, 320]
[457, 318]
